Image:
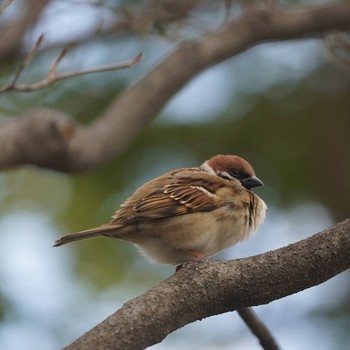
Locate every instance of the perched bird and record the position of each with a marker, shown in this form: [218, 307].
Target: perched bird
[187, 213]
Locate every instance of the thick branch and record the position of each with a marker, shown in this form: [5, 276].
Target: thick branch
[203, 288]
[92, 146]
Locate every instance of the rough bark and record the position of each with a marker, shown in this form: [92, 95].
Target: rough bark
[204, 288]
[84, 148]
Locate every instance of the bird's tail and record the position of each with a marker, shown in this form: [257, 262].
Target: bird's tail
[77, 236]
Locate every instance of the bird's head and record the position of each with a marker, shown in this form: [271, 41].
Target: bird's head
[232, 167]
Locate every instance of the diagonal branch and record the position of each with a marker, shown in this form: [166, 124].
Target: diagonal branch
[258, 328]
[204, 288]
[13, 33]
[91, 146]
[5, 5]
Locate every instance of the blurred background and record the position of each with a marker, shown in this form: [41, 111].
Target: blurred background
[284, 106]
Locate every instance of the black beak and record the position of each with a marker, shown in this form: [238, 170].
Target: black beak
[251, 182]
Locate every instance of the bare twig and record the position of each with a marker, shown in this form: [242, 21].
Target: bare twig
[105, 68]
[53, 77]
[27, 59]
[54, 66]
[258, 328]
[5, 5]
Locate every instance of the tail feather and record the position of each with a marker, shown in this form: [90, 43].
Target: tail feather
[77, 236]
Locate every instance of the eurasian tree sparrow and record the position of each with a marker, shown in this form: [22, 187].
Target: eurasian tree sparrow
[187, 213]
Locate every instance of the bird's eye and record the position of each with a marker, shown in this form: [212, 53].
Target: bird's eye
[235, 173]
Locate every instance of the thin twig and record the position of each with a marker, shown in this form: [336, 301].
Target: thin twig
[105, 68]
[5, 5]
[27, 59]
[53, 69]
[258, 328]
[52, 76]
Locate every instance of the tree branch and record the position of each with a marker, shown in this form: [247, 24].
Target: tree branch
[142, 19]
[12, 34]
[5, 6]
[206, 288]
[258, 328]
[52, 76]
[89, 147]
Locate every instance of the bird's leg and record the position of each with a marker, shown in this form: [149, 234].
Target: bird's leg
[195, 254]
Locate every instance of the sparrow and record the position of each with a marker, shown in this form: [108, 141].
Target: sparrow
[187, 213]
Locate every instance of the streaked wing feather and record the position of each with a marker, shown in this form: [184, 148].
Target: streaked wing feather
[185, 195]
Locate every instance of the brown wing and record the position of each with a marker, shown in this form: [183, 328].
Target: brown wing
[184, 195]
